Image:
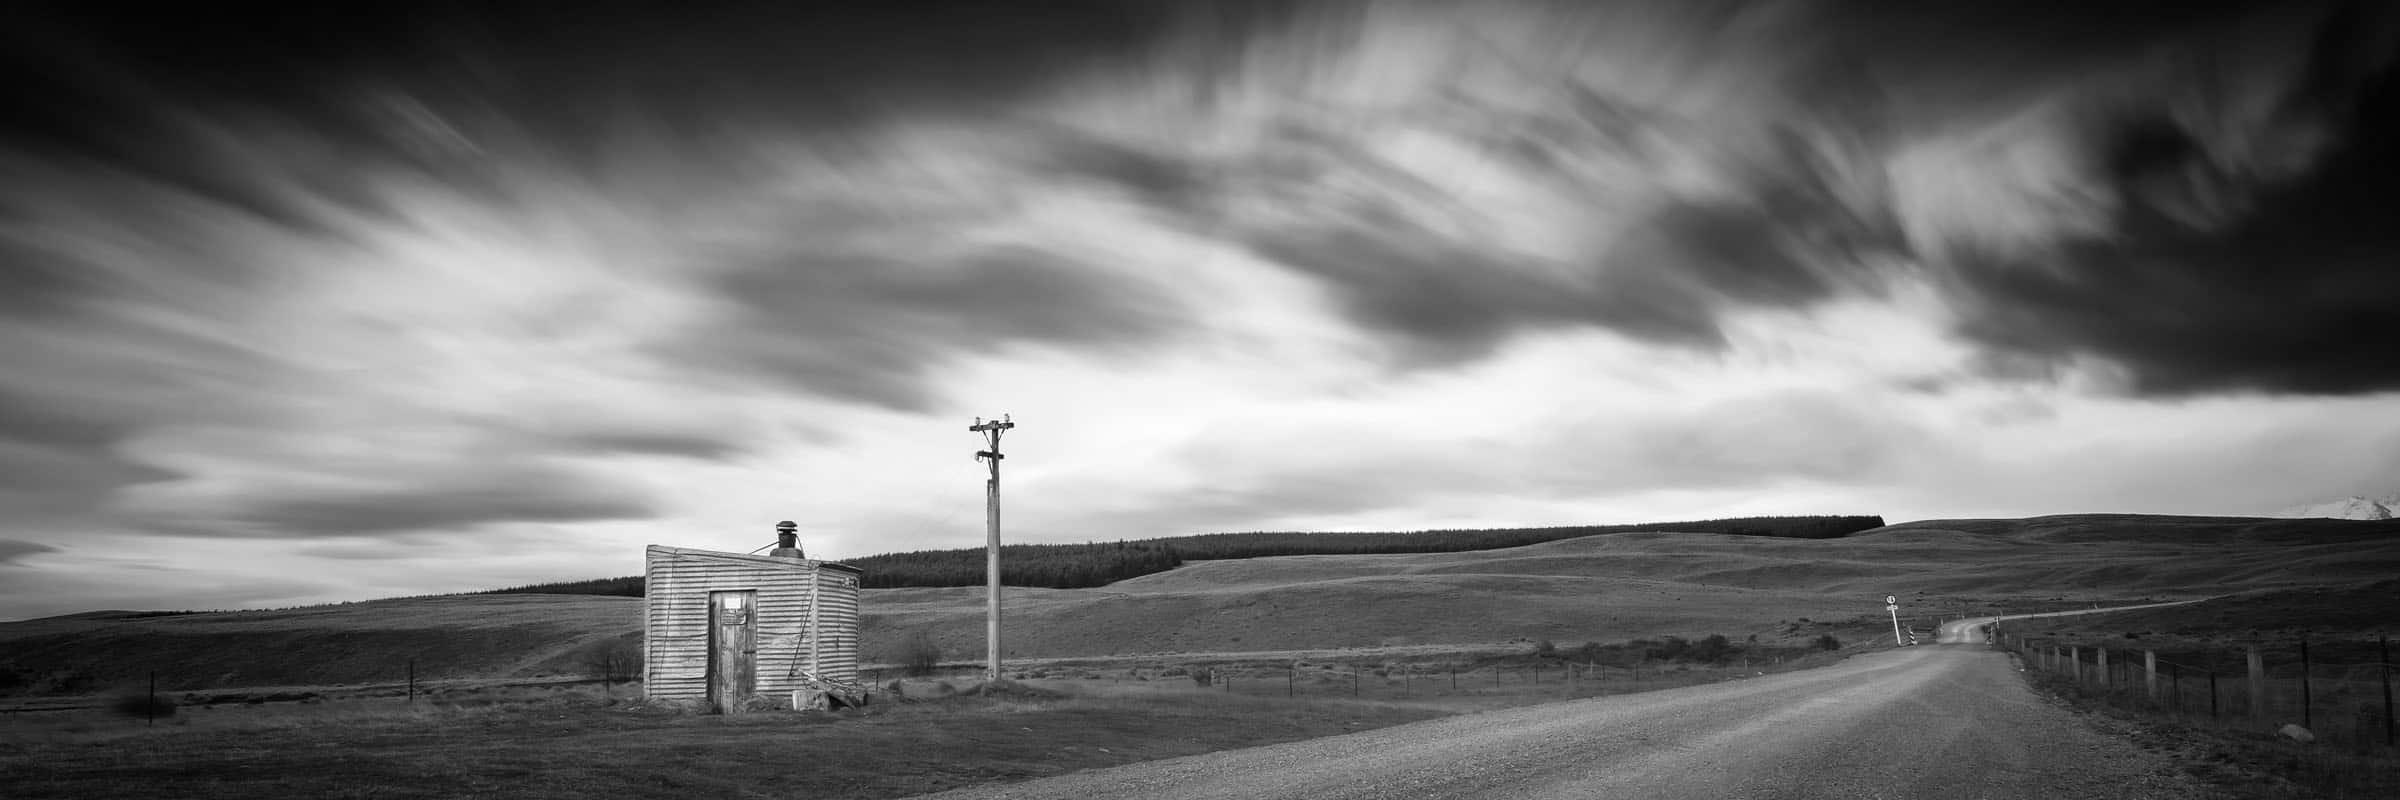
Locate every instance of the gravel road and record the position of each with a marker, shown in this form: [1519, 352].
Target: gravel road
[1949, 720]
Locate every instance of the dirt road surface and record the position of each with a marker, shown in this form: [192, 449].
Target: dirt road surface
[1948, 720]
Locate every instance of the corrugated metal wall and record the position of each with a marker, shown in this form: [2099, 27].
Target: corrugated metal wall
[807, 619]
[837, 622]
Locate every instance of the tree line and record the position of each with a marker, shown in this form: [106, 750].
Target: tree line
[1078, 566]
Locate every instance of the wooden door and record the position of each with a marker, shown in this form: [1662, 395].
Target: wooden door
[732, 649]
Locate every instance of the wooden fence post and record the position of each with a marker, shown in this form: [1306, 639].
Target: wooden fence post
[2258, 688]
[2308, 711]
[2102, 654]
[2075, 662]
[2383, 650]
[2150, 673]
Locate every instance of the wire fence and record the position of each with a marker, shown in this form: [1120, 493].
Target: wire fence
[1502, 682]
[2340, 694]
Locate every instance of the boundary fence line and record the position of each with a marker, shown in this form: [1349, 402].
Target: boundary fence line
[2344, 702]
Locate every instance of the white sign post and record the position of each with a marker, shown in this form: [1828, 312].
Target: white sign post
[1891, 603]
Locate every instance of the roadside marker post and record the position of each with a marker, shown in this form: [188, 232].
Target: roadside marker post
[1891, 603]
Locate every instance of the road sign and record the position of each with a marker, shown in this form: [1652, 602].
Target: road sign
[1891, 599]
[1892, 607]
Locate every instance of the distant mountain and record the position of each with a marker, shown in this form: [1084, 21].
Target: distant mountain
[2354, 507]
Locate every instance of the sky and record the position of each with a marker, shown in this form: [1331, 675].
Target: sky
[301, 307]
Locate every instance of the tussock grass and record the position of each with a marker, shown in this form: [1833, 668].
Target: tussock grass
[2242, 763]
[580, 745]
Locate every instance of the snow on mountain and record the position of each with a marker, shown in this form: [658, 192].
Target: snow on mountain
[2347, 508]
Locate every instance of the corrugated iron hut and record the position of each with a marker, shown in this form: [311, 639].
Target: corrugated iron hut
[728, 627]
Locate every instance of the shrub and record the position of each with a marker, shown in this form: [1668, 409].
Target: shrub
[615, 660]
[1672, 649]
[919, 655]
[1712, 650]
[1544, 647]
[1827, 642]
[139, 704]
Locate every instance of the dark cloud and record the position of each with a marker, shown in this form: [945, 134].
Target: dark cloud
[12, 551]
[2214, 278]
[62, 461]
[2248, 250]
[1447, 304]
[420, 86]
[682, 444]
[1666, 281]
[463, 499]
[872, 328]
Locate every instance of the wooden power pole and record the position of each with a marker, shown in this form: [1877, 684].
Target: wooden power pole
[991, 556]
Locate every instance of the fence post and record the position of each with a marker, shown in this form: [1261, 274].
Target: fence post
[2383, 650]
[2102, 654]
[1453, 679]
[2075, 662]
[150, 707]
[1291, 681]
[2175, 686]
[2308, 711]
[2258, 687]
[1354, 680]
[2150, 673]
[412, 681]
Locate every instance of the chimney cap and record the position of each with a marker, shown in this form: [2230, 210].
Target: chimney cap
[787, 526]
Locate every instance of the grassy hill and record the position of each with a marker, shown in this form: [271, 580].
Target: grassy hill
[1598, 588]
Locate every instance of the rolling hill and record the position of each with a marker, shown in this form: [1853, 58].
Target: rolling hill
[1598, 588]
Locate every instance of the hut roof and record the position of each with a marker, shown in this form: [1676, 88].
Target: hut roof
[751, 560]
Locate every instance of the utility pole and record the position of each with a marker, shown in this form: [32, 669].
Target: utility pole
[991, 555]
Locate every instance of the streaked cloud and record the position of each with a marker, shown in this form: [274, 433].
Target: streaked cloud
[358, 288]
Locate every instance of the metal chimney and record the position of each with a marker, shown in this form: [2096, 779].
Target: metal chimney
[787, 541]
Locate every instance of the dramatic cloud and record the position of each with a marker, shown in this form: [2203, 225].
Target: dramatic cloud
[361, 289]
[870, 328]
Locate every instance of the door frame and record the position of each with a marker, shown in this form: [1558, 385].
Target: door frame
[743, 680]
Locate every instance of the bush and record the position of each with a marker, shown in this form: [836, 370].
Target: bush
[614, 661]
[1827, 642]
[919, 655]
[1674, 648]
[139, 704]
[1715, 649]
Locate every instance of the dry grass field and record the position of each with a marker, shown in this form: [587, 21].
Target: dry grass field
[1601, 588]
[576, 743]
[507, 709]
